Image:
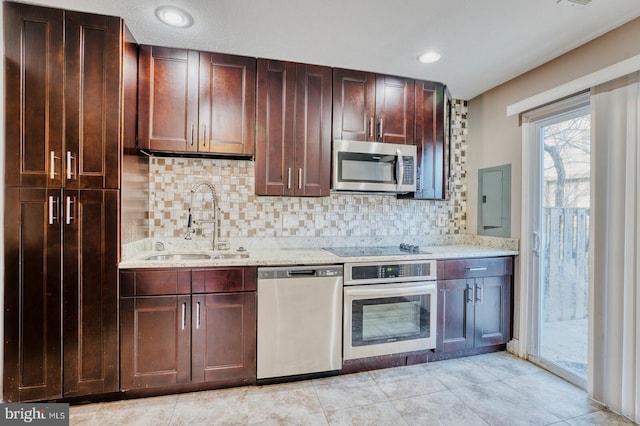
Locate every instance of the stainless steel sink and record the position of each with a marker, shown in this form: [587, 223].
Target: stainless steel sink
[178, 256]
[197, 256]
[230, 255]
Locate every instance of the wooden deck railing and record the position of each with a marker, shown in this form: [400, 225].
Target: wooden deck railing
[566, 252]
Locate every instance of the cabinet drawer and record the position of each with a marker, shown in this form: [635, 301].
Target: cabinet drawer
[472, 268]
[224, 280]
[153, 282]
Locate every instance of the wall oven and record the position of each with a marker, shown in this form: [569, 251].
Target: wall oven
[389, 307]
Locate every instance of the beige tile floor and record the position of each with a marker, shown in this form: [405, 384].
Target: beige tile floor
[493, 389]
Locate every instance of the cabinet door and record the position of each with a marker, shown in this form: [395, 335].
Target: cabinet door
[455, 315]
[354, 103]
[168, 99]
[155, 341]
[224, 337]
[430, 140]
[91, 155]
[274, 133]
[227, 104]
[313, 130]
[34, 110]
[492, 311]
[394, 110]
[32, 299]
[90, 292]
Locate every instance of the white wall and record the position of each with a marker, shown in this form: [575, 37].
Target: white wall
[494, 139]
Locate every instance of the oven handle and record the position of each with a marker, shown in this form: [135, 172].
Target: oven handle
[387, 290]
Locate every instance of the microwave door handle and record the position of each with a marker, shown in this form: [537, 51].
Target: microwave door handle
[399, 169]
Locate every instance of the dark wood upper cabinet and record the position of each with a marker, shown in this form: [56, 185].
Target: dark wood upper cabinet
[372, 107]
[227, 104]
[354, 105]
[293, 134]
[62, 64]
[91, 156]
[394, 109]
[196, 102]
[34, 60]
[168, 99]
[431, 140]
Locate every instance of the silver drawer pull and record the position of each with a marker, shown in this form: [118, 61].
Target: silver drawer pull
[70, 161]
[69, 210]
[53, 215]
[52, 165]
[198, 316]
[476, 269]
[184, 315]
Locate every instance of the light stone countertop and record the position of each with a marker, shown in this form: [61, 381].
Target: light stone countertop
[278, 256]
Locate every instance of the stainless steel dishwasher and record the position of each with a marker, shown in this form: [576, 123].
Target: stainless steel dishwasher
[299, 321]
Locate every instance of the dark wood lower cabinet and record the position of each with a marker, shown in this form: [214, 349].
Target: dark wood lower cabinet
[32, 299]
[60, 293]
[224, 338]
[172, 340]
[474, 304]
[155, 341]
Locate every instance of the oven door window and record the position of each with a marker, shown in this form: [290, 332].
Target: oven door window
[390, 319]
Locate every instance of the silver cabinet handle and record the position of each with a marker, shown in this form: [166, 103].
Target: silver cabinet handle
[184, 315]
[299, 178]
[204, 134]
[192, 129]
[52, 165]
[380, 129]
[198, 315]
[370, 127]
[69, 210]
[470, 291]
[70, 168]
[476, 269]
[53, 213]
[289, 178]
[480, 293]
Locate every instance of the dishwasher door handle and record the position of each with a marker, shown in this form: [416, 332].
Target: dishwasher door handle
[302, 273]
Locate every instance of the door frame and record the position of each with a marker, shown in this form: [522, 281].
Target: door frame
[527, 346]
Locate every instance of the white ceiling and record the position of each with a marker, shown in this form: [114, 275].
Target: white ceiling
[483, 43]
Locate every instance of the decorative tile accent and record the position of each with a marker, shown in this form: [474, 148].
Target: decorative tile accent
[245, 215]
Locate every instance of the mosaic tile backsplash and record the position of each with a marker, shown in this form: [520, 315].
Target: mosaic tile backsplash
[245, 215]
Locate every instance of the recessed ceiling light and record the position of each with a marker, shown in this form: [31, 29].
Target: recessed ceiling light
[429, 57]
[174, 16]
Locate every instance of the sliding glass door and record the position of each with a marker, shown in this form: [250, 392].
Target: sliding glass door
[561, 240]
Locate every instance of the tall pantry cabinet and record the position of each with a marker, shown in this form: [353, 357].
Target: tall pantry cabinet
[64, 73]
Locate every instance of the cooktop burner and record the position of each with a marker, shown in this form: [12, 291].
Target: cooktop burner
[375, 251]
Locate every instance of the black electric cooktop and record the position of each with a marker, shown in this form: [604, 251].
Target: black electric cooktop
[376, 251]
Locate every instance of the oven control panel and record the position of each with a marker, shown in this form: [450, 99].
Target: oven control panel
[401, 271]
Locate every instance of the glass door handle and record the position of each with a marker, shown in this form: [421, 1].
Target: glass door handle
[536, 243]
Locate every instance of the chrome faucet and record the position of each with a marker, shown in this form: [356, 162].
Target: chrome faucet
[216, 243]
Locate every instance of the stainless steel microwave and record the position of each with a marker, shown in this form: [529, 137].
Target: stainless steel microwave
[373, 167]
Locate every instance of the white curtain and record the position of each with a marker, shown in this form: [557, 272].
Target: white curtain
[614, 361]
